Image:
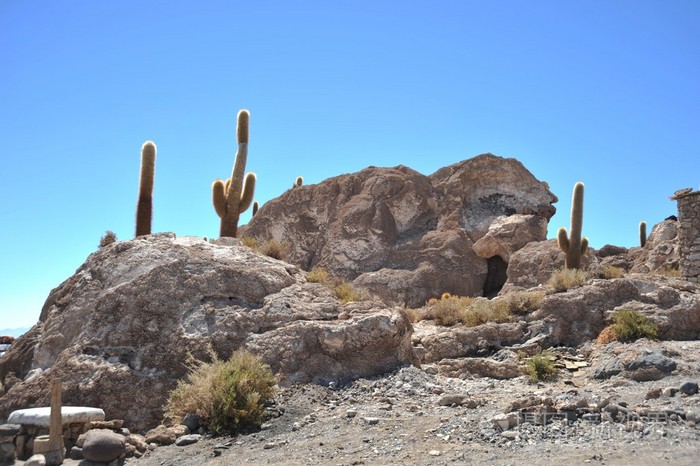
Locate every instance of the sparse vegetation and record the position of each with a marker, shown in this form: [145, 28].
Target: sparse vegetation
[668, 272]
[229, 396]
[452, 310]
[275, 249]
[564, 279]
[522, 302]
[630, 325]
[108, 238]
[251, 242]
[343, 290]
[541, 368]
[610, 271]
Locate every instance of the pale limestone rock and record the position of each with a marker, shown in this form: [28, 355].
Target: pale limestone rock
[69, 415]
[508, 234]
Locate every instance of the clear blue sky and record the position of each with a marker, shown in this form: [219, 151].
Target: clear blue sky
[604, 92]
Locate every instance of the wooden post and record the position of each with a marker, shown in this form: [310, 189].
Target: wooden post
[53, 448]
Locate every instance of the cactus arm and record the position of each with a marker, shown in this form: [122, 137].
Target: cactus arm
[563, 240]
[248, 192]
[584, 245]
[144, 207]
[219, 198]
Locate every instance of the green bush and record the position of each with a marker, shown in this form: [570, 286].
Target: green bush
[563, 279]
[229, 396]
[631, 325]
[540, 367]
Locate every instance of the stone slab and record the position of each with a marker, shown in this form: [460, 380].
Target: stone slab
[69, 415]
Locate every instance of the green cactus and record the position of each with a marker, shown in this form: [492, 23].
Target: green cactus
[299, 181]
[642, 233]
[255, 208]
[234, 196]
[574, 246]
[144, 207]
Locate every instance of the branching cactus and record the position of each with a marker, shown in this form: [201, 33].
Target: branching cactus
[234, 196]
[574, 246]
[144, 208]
[642, 233]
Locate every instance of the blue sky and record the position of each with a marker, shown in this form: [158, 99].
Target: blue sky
[603, 92]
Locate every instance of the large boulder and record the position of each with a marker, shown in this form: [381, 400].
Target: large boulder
[119, 332]
[661, 251]
[406, 236]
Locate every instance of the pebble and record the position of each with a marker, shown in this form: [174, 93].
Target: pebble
[435, 453]
[372, 420]
[689, 388]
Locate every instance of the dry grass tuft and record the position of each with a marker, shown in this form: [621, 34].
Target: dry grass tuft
[249, 241]
[343, 289]
[564, 279]
[668, 272]
[318, 275]
[275, 249]
[522, 302]
[229, 396]
[610, 271]
[607, 335]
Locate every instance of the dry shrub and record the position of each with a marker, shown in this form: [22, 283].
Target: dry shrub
[668, 272]
[631, 325]
[483, 311]
[318, 275]
[229, 396]
[541, 367]
[522, 302]
[251, 242]
[564, 279]
[343, 290]
[450, 311]
[607, 335]
[275, 249]
[108, 238]
[610, 271]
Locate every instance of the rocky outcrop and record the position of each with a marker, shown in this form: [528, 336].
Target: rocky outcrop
[406, 236]
[661, 251]
[119, 332]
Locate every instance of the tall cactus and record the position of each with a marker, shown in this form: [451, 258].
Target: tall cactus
[574, 246]
[642, 233]
[255, 208]
[233, 197]
[144, 207]
[299, 181]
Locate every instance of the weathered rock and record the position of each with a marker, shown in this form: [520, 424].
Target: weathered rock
[36, 460]
[135, 309]
[138, 441]
[689, 388]
[192, 421]
[161, 435]
[391, 229]
[458, 341]
[69, 414]
[653, 366]
[479, 367]
[187, 440]
[661, 250]
[534, 264]
[102, 445]
[508, 234]
[610, 250]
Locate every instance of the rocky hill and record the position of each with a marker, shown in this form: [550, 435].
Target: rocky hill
[384, 368]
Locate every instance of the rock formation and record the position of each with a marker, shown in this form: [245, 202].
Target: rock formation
[120, 330]
[407, 237]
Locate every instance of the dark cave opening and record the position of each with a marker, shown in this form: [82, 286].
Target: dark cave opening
[496, 276]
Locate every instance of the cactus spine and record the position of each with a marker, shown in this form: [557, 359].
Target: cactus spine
[233, 197]
[642, 233]
[574, 246]
[144, 207]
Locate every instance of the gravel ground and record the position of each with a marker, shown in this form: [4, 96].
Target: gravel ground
[405, 418]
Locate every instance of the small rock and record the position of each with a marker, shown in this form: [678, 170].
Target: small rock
[653, 394]
[449, 400]
[689, 388]
[435, 453]
[162, 435]
[351, 413]
[114, 424]
[187, 440]
[269, 446]
[76, 453]
[192, 421]
[102, 445]
[510, 434]
[372, 420]
[221, 446]
[36, 460]
[669, 391]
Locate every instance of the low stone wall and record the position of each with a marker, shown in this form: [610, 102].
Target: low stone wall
[17, 440]
[689, 234]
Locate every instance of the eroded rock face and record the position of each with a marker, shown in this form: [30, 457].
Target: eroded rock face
[661, 251]
[406, 236]
[119, 331]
